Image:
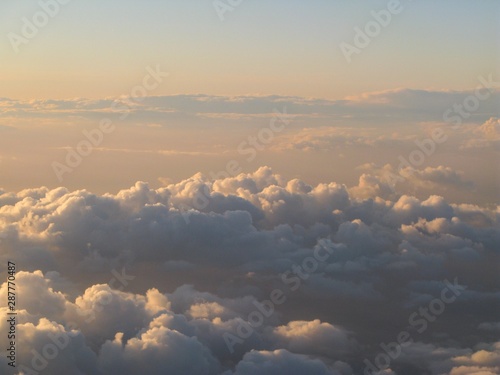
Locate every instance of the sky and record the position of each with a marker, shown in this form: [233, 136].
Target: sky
[238, 187]
[93, 49]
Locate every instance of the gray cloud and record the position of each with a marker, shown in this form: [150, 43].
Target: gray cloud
[199, 271]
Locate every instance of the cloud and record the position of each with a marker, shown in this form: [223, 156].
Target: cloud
[280, 362]
[490, 129]
[483, 359]
[159, 350]
[163, 275]
[314, 337]
[325, 138]
[407, 104]
[434, 177]
[484, 136]
[385, 181]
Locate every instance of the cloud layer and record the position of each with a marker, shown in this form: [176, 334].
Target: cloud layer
[253, 274]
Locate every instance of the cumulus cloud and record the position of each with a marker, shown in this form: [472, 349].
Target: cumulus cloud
[451, 360]
[484, 136]
[314, 337]
[157, 351]
[163, 276]
[280, 362]
[430, 177]
[490, 129]
[387, 180]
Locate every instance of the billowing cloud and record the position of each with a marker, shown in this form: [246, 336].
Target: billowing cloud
[280, 362]
[249, 274]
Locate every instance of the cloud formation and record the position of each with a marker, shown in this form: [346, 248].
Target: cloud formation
[407, 104]
[300, 278]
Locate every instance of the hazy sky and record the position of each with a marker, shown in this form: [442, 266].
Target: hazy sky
[96, 49]
[428, 57]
